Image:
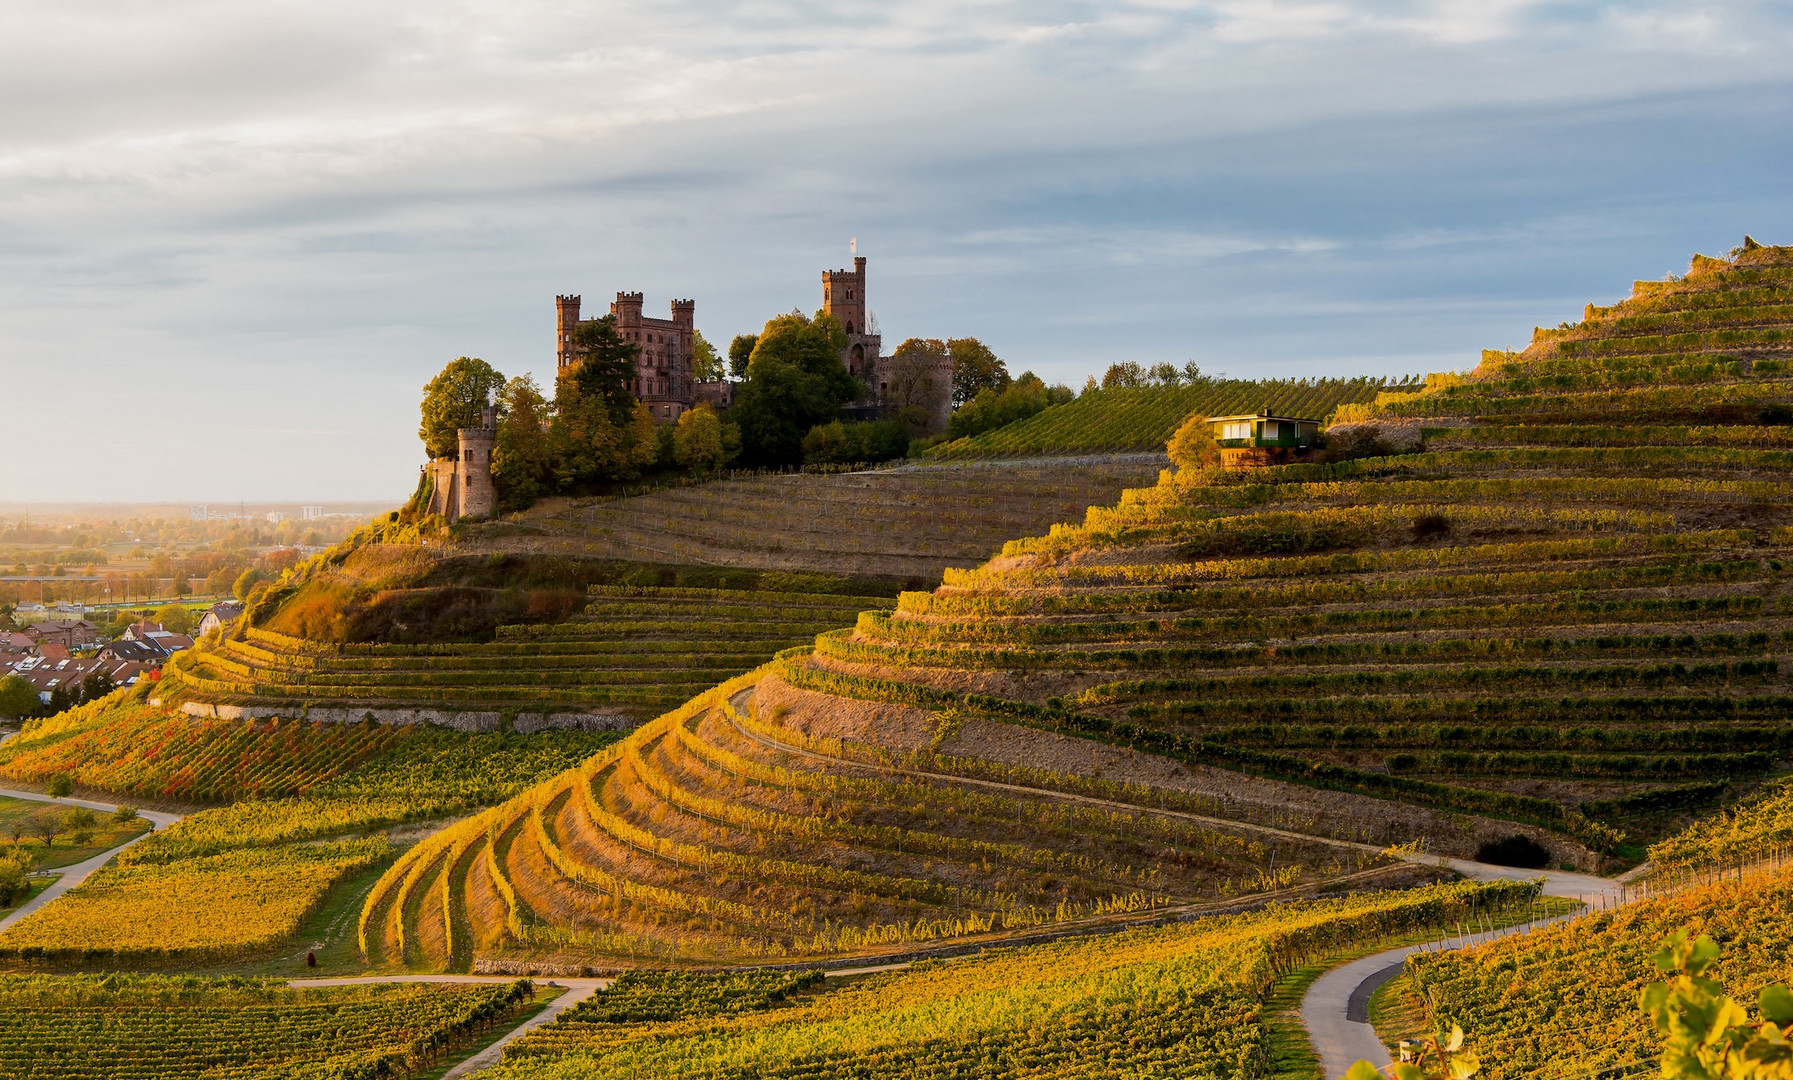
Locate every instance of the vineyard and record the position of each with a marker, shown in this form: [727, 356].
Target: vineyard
[1143, 419]
[1562, 1001]
[238, 881]
[632, 652]
[154, 1027]
[1532, 619]
[714, 834]
[909, 522]
[1185, 1000]
[144, 751]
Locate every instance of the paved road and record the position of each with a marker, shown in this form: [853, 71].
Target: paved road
[79, 872]
[1336, 1008]
[576, 990]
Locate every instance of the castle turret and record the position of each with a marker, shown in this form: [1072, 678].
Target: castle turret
[566, 324]
[627, 309]
[477, 496]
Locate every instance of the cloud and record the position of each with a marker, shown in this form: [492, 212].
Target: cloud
[269, 224]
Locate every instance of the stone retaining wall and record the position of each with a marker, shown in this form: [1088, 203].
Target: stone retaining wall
[460, 721]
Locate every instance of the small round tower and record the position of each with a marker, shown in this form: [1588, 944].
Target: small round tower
[478, 495]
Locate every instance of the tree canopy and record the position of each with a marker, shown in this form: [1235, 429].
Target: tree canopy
[740, 351]
[706, 364]
[975, 369]
[17, 697]
[452, 400]
[795, 381]
[522, 459]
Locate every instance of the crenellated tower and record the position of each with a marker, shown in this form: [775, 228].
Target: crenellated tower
[566, 325]
[843, 296]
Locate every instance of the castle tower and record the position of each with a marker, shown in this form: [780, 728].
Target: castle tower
[566, 324]
[843, 296]
[627, 310]
[477, 496]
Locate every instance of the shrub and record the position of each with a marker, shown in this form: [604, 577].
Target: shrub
[846, 444]
[60, 785]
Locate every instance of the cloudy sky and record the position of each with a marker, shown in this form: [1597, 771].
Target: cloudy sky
[236, 239]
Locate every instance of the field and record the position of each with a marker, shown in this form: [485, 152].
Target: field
[905, 523]
[1535, 619]
[1184, 1000]
[632, 652]
[1144, 419]
[151, 1027]
[237, 882]
[1562, 1001]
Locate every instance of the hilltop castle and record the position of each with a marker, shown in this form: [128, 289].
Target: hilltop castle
[664, 377]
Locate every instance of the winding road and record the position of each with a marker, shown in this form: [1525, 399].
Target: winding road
[81, 871]
[1336, 1008]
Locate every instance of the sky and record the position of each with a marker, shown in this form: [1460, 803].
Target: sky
[237, 239]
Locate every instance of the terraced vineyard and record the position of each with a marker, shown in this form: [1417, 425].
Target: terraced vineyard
[239, 881]
[909, 522]
[1185, 1000]
[142, 750]
[1537, 613]
[170, 1028]
[1144, 419]
[714, 835]
[633, 652]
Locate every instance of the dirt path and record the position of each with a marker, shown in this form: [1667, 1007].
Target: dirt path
[1022, 789]
[72, 876]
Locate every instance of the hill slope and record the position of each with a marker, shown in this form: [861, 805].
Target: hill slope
[909, 522]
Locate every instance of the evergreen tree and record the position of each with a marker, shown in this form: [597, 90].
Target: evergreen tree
[606, 367]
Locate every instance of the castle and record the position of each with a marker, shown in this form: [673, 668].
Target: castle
[666, 380]
[462, 486]
[664, 377]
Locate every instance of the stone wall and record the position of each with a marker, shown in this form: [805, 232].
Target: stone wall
[460, 721]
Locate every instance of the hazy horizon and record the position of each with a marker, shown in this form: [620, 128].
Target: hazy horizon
[239, 240]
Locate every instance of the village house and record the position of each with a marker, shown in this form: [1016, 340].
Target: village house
[219, 616]
[1262, 438]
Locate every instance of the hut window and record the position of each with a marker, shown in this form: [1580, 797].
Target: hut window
[1240, 430]
[1270, 429]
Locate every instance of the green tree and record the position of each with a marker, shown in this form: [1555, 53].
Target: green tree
[452, 400]
[740, 351]
[992, 409]
[96, 686]
[701, 442]
[706, 363]
[59, 785]
[79, 822]
[18, 698]
[606, 368]
[1124, 375]
[586, 446]
[975, 369]
[174, 618]
[60, 700]
[522, 458]
[795, 380]
[247, 581]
